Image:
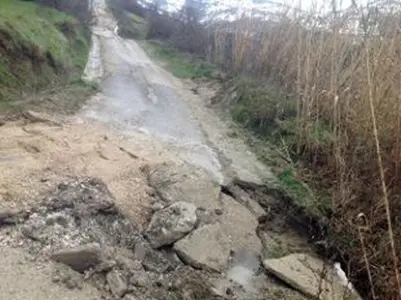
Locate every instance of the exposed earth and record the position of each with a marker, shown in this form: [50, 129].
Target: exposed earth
[144, 194]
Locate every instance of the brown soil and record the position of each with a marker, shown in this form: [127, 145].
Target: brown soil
[37, 156]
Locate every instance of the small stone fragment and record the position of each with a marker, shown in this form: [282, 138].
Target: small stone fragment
[79, 258]
[140, 279]
[130, 297]
[64, 275]
[129, 265]
[157, 206]
[57, 218]
[8, 217]
[105, 266]
[117, 283]
[218, 211]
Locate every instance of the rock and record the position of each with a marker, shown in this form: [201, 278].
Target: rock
[117, 283]
[130, 297]
[33, 227]
[129, 265]
[151, 259]
[79, 258]
[9, 217]
[234, 231]
[205, 248]
[205, 217]
[88, 197]
[243, 198]
[64, 275]
[175, 183]
[36, 117]
[157, 206]
[57, 218]
[239, 226]
[105, 266]
[140, 279]
[311, 276]
[172, 223]
[218, 211]
[232, 133]
[98, 280]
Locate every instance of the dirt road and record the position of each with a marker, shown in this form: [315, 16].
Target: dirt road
[149, 145]
[139, 96]
[141, 115]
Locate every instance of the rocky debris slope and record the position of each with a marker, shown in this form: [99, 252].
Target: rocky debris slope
[78, 225]
[233, 230]
[224, 225]
[199, 243]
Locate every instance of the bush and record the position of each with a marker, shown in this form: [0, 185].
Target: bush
[161, 27]
[130, 18]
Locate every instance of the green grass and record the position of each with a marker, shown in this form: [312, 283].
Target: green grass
[180, 64]
[30, 25]
[39, 48]
[268, 119]
[305, 197]
[260, 107]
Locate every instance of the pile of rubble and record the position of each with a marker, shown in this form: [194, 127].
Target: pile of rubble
[199, 244]
[78, 225]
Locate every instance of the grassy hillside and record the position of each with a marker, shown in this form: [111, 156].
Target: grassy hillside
[40, 48]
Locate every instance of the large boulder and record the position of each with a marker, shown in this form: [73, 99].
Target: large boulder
[239, 225]
[205, 248]
[172, 223]
[311, 276]
[175, 183]
[210, 246]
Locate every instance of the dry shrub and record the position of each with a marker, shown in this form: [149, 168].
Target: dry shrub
[161, 26]
[182, 29]
[342, 70]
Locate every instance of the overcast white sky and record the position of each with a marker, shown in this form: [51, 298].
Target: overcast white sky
[319, 5]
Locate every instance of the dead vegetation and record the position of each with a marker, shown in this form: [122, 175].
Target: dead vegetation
[343, 85]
